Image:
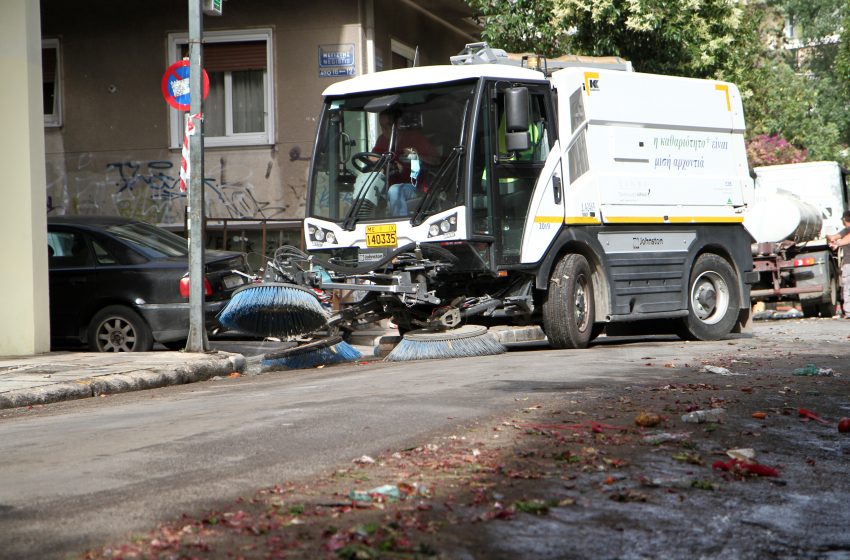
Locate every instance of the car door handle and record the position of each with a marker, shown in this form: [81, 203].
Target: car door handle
[556, 188]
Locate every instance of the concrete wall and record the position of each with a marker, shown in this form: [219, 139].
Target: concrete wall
[112, 154]
[24, 319]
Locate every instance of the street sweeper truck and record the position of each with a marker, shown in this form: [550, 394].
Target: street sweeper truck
[573, 194]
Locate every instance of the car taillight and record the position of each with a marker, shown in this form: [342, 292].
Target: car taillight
[184, 287]
[809, 261]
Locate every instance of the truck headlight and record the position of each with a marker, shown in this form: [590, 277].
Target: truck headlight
[443, 226]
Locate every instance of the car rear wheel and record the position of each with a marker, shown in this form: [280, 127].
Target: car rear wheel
[119, 329]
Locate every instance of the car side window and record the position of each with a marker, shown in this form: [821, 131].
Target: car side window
[68, 249]
[103, 256]
[119, 252]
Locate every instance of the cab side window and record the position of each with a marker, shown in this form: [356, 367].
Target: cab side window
[68, 249]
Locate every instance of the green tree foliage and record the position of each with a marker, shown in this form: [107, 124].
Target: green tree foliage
[694, 37]
[732, 40]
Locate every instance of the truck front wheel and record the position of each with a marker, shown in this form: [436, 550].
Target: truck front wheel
[568, 312]
[712, 300]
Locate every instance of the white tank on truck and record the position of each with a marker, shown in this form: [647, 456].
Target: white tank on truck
[574, 194]
[791, 209]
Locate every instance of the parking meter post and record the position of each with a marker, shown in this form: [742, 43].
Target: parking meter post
[197, 341]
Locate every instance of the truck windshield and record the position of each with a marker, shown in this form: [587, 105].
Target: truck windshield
[379, 155]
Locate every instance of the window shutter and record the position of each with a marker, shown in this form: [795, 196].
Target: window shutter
[230, 56]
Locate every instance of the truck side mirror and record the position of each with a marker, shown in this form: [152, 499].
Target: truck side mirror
[517, 119]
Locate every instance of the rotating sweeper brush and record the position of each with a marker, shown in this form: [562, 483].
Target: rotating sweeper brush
[274, 309]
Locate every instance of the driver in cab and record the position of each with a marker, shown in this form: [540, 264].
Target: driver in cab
[411, 148]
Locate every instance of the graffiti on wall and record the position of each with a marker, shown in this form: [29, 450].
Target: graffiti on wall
[150, 190]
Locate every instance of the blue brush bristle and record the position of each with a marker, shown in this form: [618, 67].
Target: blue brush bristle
[324, 355]
[273, 310]
[464, 342]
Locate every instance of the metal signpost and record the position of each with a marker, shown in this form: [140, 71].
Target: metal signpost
[179, 81]
[197, 341]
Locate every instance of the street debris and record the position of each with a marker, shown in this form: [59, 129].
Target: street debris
[813, 370]
[648, 419]
[844, 425]
[742, 454]
[809, 415]
[665, 437]
[363, 460]
[741, 469]
[719, 370]
[714, 415]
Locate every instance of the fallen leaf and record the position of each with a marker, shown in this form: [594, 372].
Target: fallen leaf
[809, 415]
[648, 419]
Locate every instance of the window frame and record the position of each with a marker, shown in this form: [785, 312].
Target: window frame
[54, 120]
[175, 124]
[405, 51]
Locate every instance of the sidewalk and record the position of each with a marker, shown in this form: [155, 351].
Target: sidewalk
[60, 376]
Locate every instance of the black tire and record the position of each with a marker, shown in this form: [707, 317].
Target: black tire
[119, 329]
[823, 308]
[568, 310]
[596, 331]
[713, 300]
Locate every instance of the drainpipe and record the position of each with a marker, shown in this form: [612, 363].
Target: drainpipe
[370, 36]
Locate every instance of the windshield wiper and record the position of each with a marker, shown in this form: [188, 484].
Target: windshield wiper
[440, 183]
[357, 202]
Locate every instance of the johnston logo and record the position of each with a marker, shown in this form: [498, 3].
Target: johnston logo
[641, 242]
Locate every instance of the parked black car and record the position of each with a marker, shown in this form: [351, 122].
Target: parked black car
[120, 285]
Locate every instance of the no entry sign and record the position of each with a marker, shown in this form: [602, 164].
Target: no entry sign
[175, 85]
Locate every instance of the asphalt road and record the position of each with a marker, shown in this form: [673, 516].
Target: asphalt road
[76, 475]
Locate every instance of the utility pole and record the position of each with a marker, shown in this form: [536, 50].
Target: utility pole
[197, 341]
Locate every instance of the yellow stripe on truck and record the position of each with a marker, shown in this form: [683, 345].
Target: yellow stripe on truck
[548, 219]
[578, 220]
[674, 219]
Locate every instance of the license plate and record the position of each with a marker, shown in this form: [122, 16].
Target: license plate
[233, 281]
[381, 236]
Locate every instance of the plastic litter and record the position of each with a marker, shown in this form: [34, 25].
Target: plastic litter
[713, 415]
[664, 437]
[389, 491]
[743, 454]
[813, 370]
[718, 370]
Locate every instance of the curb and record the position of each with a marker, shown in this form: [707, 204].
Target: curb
[219, 364]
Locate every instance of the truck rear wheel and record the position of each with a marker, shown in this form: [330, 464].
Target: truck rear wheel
[712, 300]
[568, 312]
[825, 306]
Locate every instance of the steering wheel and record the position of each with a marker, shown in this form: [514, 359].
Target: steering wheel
[364, 162]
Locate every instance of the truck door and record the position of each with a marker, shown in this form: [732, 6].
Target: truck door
[508, 179]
